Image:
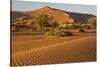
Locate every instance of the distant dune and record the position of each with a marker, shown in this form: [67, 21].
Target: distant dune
[55, 50]
[58, 14]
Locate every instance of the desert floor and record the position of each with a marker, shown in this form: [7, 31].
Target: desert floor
[36, 50]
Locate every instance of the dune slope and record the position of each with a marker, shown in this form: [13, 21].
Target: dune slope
[77, 50]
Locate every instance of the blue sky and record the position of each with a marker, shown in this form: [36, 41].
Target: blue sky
[29, 6]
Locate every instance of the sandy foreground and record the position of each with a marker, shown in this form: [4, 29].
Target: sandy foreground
[27, 50]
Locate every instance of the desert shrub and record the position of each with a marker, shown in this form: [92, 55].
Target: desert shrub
[54, 24]
[68, 33]
[92, 21]
[59, 32]
[70, 25]
[76, 26]
[83, 25]
[81, 29]
[51, 32]
[14, 29]
[64, 33]
[88, 26]
[63, 25]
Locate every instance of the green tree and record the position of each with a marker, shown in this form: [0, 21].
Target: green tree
[41, 20]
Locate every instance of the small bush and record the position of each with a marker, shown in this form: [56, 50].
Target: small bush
[59, 32]
[68, 33]
[64, 33]
[92, 21]
[88, 27]
[50, 33]
[76, 26]
[81, 30]
[14, 29]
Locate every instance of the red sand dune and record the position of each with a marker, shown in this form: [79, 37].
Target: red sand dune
[59, 16]
[74, 50]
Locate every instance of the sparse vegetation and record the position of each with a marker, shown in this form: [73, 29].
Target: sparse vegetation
[59, 32]
[81, 29]
[51, 32]
[63, 25]
[49, 25]
[76, 26]
[88, 26]
[92, 21]
[15, 29]
[64, 33]
[41, 20]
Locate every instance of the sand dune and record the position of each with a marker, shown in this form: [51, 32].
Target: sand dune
[57, 50]
[27, 42]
